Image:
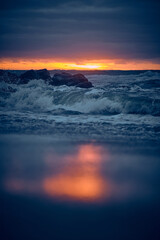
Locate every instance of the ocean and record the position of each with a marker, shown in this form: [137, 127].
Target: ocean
[81, 163]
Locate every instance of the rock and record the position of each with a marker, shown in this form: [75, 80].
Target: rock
[80, 77]
[78, 80]
[43, 74]
[27, 76]
[62, 75]
[64, 78]
[35, 74]
[61, 79]
[85, 85]
[8, 77]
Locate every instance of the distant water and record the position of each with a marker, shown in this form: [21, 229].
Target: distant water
[81, 163]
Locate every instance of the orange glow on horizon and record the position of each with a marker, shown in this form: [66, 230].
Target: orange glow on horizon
[104, 64]
[50, 65]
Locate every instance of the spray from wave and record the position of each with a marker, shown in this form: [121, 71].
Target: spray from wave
[111, 99]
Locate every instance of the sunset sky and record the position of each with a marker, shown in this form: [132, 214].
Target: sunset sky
[84, 34]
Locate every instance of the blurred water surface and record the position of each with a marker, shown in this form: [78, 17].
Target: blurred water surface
[78, 190]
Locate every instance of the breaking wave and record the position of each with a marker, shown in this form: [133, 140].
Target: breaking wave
[36, 96]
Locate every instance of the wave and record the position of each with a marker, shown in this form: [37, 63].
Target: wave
[36, 96]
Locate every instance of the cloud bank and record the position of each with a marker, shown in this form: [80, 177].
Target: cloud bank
[80, 30]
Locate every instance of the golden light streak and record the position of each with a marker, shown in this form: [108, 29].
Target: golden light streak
[102, 64]
[86, 66]
[23, 64]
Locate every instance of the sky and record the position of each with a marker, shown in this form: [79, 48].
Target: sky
[84, 34]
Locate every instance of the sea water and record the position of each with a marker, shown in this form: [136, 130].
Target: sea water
[81, 163]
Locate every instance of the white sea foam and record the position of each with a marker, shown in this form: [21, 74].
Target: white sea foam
[116, 106]
[114, 99]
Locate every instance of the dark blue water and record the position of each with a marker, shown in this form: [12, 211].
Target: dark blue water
[81, 164]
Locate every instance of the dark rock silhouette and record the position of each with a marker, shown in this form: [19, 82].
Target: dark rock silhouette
[27, 76]
[63, 78]
[85, 85]
[35, 74]
[8, 77]
[43, 74]
[78, 80]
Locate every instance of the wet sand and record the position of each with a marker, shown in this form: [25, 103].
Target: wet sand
[78, 189]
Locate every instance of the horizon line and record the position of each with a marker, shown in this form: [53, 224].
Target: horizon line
[89, 70]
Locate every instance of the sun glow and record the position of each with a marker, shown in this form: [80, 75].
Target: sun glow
[24, 64]
[86, 66]
[101, 64]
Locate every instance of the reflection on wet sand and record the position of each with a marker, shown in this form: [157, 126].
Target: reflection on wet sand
[79, 178]
[82, 179]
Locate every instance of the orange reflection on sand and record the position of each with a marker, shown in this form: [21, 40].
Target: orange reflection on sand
[82, 179]
[81, 187]
[89, 153]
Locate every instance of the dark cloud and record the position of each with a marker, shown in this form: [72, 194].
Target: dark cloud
[80, 29]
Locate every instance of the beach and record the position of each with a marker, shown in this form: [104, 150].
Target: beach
[81, 163]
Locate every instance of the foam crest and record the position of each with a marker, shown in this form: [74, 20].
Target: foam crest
[36, 96]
